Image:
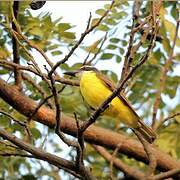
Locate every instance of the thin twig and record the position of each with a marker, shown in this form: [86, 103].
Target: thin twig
[99, 50]
[23, 124]
[16, 154]
[104, 105]
[15, 46]
[152, 158]
[58, 116]
[28, 78]
[68, 166]
[9, 65]
[19, 33]
[131, 171]
[80, 148]
[42, 102]
[167, 174]
[7, 144]
[163, 78]
[80, 151]
[87, 31]
[112, 160]
[73, 143]
[35, 65]
[166, 119]
[126, 65]
[31, 44]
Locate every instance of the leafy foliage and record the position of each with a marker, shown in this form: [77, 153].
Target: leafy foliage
[56, 37]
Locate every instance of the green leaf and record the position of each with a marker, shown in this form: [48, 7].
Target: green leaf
[171, 28]
[53, 47]
[107, 6]
[106, 56]
[100, 12]
[103, 27]
[68, 35]
[118, 59]
[94, 21]
[166, 45]
[175, 11]
[119, 15]
[4, 121]
[65, 66]
[168, 139]
[64, 27]
[121, 50]
[55, 53]
[114, 40]
[124, 43]
[36, 31]
[110, 21]
[36, 133]
[76, 66]
[111, 46]
[4, 53]
[93, 48]
[4, 71]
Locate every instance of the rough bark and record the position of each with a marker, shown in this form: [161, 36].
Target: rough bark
[93, 134]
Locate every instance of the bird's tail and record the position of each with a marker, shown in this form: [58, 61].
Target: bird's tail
[146, 131]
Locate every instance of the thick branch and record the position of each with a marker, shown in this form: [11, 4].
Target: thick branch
[38, 153]
[134, 173]
[93, 134]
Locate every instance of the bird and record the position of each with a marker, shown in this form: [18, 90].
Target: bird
[95, 88]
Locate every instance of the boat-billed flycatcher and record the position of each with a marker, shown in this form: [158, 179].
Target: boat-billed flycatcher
[96, 88]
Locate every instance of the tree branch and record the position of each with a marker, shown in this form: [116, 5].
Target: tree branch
[132, 172]
[40, 154]
[93, 134]
[15, 47]
[163, 77]
[87, 31]
[119, 88]
[166, 119]
[167, 174]
[10, 65]
[151, 157]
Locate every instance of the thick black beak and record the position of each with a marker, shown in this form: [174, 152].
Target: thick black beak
[71, 73]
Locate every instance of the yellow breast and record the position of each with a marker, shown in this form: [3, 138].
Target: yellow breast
[95, 93]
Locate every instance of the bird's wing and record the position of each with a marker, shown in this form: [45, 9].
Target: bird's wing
[111, 85]
[146, 131]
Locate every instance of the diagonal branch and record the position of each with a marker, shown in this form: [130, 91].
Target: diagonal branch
[132, 172]
[127, 60]
[83, 35]
[10, 65]
[119, 88]
[40, 154]
[160, 124]
[151, 156]
[167, 174]
[93, 134]
[163, 77]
